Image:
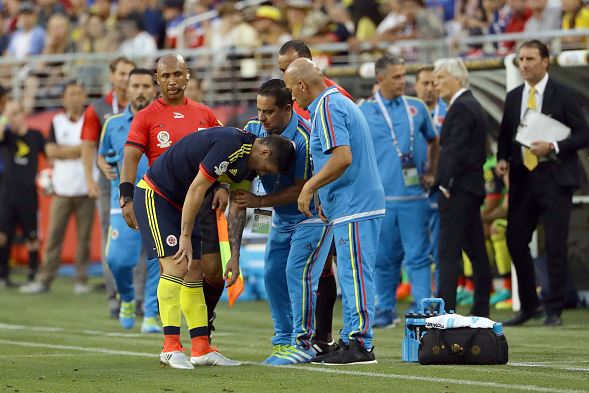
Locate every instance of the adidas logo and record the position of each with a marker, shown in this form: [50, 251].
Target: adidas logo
[233, 171]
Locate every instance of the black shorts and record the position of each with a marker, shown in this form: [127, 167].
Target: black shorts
[159, 223]
[19, 208]
[208, 225]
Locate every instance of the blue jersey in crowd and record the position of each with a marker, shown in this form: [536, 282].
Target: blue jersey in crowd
[298, 130]
[112, 141]
[358, 193]
[215, 152]
[406, 113]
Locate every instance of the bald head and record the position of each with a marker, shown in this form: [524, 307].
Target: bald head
[305, 80]
[172, 76]
[304, 70]
[171, 60]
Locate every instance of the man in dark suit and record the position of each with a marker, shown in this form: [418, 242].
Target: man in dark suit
[542, 180]
[460, 178]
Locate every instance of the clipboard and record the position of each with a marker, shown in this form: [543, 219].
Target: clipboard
[536, 126]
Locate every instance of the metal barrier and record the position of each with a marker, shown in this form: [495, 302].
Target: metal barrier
[231, 77]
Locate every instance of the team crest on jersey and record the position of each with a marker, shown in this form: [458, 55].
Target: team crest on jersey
[178, 115]
[171, 240]
[440, 121]
[163, 138]
[114, 234]
[412, 110]
[233, 171]
[222, 168]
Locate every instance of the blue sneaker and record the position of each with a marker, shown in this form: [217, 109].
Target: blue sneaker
[385, 319]
[276, 351]
[294, 355]
[127, 315]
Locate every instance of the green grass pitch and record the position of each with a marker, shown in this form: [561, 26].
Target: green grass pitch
[59, 342]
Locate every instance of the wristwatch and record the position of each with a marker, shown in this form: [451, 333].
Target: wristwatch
[124, 200]
[225, 186]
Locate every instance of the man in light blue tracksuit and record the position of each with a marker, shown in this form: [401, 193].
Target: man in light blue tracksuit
[124, 245]
[406, 147]
[292, 267]
[424, 88]
[352, 200]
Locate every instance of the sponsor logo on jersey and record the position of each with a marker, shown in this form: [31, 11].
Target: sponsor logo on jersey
[163, 138]
[171, 240]
[178, 115]
[222, 168]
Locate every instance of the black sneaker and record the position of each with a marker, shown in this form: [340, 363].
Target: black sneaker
[354, 353]
[211, 326]
[340, 346]
[324, 348]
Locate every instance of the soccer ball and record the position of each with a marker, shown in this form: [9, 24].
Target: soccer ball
[44, 181]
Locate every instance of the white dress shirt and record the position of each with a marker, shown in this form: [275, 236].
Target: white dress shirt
[540, 89]
[456, 95]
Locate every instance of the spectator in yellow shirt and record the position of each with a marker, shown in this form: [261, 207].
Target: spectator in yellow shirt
[575, 17]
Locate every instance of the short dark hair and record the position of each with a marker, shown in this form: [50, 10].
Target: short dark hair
[381, 64]
[122, 59]
[70, 83]
[277, 89]
[143, 71]
[542, 47]
[426, 68]
[298, 46]
[282, 152]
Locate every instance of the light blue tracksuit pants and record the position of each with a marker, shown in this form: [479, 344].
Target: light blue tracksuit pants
[123, 253]
[293, 266]
[404, 236]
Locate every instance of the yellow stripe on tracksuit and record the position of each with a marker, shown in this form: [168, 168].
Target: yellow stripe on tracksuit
[357, 294]
[152, 218]
[308, 265]
[307, 160]
[325, 131]
[107, 245]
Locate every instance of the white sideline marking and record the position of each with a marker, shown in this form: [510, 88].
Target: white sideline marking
[42, 355]
[547, 365]
[324, 370]
[50, 329]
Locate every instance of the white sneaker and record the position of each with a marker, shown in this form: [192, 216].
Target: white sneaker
[213, 358]
[33, 288]
[81, 289]
[175, 359]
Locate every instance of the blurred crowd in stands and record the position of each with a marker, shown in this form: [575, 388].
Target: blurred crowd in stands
[140, 27]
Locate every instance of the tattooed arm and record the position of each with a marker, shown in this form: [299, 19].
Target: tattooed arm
[235, 232]
[194, 197]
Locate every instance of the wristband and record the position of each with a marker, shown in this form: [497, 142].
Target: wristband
[127, 189]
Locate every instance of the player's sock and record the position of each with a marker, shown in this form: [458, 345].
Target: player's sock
[33, 264]
[212, 294]
[194, 309]
[326, 297]
[168, 296]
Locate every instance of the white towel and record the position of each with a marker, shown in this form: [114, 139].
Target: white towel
[451, 321]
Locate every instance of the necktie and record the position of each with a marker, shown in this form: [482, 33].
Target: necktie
[530, 159]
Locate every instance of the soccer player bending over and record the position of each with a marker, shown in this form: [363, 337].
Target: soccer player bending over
[166, 204]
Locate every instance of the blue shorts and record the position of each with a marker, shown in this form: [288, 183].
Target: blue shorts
[159, 223]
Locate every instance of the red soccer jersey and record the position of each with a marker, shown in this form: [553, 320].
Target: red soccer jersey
[305, 113]
[95, 115]
[158, 126]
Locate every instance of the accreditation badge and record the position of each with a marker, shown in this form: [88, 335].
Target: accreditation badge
[409, 170]
[262, 221]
